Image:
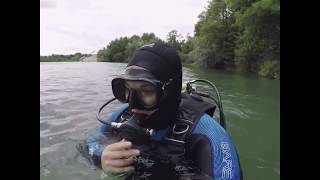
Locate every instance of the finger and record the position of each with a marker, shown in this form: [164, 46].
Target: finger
[121, 154]
[119, 162]
[124, 140]
[119, 146]
[118, 170]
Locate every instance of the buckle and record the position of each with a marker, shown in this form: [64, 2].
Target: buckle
[180, 130]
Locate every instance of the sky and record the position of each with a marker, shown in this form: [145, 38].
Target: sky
[70, 26]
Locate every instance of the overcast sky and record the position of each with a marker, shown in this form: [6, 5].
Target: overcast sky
[70, 26]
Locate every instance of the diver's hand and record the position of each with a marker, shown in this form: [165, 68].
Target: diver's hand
[118, 157]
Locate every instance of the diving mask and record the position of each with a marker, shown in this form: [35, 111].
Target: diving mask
[140, 89]
[144, 92]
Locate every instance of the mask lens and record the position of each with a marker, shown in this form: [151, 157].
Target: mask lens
[149, 97]
[146, 92]
[120, 92]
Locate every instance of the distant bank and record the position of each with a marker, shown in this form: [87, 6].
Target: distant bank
[69, 58]
[92, 58]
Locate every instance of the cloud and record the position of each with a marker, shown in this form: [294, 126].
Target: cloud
[47, 4]
[72, 25]
[64, 40]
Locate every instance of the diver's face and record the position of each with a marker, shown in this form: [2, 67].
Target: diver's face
[146, 93]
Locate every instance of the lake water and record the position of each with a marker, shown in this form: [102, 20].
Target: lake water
[72, 92]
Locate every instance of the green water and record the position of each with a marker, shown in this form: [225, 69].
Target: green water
[72, 92]
[252, 109]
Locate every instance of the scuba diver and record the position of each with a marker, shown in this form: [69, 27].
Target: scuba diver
[161, 132]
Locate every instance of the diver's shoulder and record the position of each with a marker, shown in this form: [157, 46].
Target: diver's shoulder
[208, 125]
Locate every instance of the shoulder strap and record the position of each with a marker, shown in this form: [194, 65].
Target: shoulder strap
[192, 107]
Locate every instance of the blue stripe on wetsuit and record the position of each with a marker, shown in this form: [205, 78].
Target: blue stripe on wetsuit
[224, 157]
[104, 128]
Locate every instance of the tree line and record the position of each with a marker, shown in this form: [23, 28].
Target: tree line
[240, 35]
[60, 58]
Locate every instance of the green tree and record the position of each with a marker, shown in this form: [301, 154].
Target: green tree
[122, 49]
[258, 46]
[115, 51]
[76, 57]
[175, 40]
[215, 36]
[60, 58]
